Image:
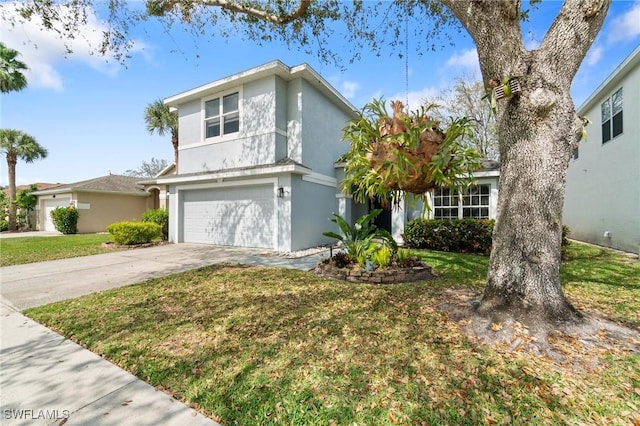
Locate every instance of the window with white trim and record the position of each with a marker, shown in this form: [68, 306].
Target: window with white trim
[611, 112]
[473, 203]
[222, 115]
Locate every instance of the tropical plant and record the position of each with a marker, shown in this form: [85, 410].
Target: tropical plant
[26, 203]
[382, 256]
[363, 238]
[403, 255]
[161, 119]
[12, 78]
[391, 155]
[15, 145]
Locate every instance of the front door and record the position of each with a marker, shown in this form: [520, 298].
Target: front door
[383, 220]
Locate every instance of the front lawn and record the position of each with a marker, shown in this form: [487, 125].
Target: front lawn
[257, 345]
[20, 250]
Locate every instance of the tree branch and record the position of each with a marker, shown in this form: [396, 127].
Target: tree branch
[495, 28]
[574, 30]
[258, 13]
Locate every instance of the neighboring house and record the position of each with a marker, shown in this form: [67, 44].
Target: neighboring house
[30, 217]
[602, 204]
[100, 202]
[257, 164]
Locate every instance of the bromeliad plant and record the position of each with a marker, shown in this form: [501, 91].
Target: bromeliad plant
[391, 155]
[363, 239]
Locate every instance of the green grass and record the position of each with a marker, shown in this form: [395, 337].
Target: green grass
[255, 345]
[603, 280]
[21, 250]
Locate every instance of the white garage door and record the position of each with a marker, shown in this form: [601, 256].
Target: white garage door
[50, 205]
[235, 216]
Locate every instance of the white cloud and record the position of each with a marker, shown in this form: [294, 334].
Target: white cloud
[349, 88]
[467, 59]
[416, 97]
[42, 50]
[594, 55]
[627, 26]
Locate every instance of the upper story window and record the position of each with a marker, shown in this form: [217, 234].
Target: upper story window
[473, 203]
[222, 115]
[611, 111]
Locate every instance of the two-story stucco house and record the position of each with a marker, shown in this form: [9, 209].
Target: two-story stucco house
[602, 204]
[257, 154]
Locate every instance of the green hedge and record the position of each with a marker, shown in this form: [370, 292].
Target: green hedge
[65, 219]
[159, 216]
[130, 233]
[453, 235]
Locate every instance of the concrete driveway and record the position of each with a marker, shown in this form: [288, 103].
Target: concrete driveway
[35, 284]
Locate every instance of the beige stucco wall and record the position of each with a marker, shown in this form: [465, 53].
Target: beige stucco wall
[98, 210]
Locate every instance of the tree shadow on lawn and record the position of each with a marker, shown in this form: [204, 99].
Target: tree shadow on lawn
[256, 345]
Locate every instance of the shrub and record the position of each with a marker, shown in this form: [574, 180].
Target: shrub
[65, 219]
[453, 235]
[159, 216]
[130, 233]
[4, 225]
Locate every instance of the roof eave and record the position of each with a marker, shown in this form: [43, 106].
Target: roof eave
[276, 67]
[614, 78]
[247, 173]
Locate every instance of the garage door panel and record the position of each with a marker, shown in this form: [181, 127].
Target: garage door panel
[241, 216]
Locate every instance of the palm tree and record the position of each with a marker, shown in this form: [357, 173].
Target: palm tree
[11, 77]
[15, 145]
[161, 119]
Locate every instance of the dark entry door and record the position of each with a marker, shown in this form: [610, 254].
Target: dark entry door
[383, 220]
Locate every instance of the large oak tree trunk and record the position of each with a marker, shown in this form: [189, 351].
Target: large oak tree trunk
[537, 131]
[524, 269]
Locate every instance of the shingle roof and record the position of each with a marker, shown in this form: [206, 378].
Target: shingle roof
[109, 183]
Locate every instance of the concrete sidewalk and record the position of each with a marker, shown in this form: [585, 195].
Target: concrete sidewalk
[47, 379]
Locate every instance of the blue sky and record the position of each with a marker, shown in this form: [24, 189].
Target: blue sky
[88, 111]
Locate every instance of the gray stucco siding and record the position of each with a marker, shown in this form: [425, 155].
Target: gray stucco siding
[253, 145]
[243, 152]
[321, 131]
[602, 192]
[312, 206]
[294, 120]
[190, 124]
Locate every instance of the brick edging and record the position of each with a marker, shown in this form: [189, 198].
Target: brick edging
[379, 276]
